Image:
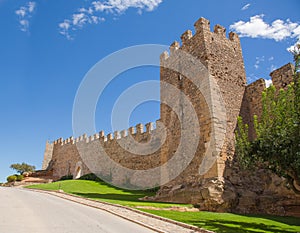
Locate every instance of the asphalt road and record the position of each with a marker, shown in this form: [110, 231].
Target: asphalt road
[23, 211]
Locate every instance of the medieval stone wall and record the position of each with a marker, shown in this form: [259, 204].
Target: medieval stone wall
[223, 60]
[282, 76]
[252, 104]
[252, 99]
[47, 155]
[222, 79]
[83, 155]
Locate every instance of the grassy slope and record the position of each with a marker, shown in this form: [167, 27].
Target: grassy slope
[104, 192]
[219, 222]
[227, 223]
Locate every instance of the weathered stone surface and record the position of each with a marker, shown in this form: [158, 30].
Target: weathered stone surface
[283, 76]
[224, 186]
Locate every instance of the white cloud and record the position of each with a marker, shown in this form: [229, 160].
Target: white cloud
[64, 27]
[261, 61]
[273, 67]
[21, 12]
[268, 82]
[246, 7]
[24, 25]
[31, 6]
[79, 19]
[251, 78]
[119, 6]
[295, 48]
[25, 13]
[93, 14]
[278, 30]
[89, 10]
[258, 60]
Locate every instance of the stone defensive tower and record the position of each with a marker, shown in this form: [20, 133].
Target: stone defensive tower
[207, 71]
[222, 57]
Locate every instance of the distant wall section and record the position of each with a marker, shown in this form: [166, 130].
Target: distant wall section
[47, 155]
[252, 99]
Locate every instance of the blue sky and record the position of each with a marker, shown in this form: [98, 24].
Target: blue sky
[47, 47]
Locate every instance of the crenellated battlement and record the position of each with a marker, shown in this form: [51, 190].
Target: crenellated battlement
[139, 129]
[220, 30]
[202, 27]
[186, 36]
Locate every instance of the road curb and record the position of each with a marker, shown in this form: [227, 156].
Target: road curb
[59, 194]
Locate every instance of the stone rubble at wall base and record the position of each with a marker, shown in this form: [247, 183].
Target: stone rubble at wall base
[239, 191]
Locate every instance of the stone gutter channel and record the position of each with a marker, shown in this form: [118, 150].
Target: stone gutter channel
[150, 221]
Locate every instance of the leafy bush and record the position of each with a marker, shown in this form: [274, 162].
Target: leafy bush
[66, 177]
[11, 178]
[20, 177]
[276, 146]
[90, 176]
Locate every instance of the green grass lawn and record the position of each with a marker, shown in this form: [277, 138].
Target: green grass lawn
[227, 223]
[104, 192]
[218, 222]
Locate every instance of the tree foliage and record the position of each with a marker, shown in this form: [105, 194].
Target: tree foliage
[21, 168]
[277, 143]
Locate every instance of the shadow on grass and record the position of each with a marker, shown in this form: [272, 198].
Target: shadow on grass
[233, 224]
[226, 226]
[147, 191]
[292, 221]
[112, 196]
[212, 223]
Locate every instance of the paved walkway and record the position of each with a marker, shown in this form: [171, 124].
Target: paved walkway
[156, 223]
[24, 211]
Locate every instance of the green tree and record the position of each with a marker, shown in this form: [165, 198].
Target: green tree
[20, 177]
[277, 143]
[21, 168]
